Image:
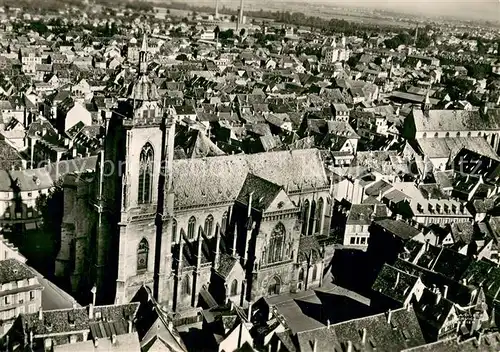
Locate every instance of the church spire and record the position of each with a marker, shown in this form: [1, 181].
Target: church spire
[143, 55]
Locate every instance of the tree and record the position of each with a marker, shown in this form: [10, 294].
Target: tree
[242, 32]
[233, 18]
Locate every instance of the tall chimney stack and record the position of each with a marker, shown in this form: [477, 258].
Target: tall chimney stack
[216, 9]
[240, 17]
[217, 246]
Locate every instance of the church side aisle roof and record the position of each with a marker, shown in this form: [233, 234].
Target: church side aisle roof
[220, 179]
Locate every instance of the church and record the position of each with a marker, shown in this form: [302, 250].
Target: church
[194, 231]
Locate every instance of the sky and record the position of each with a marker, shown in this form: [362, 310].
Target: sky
[473, 9]
[464, 9]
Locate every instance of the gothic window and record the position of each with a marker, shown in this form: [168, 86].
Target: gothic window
[301, 275]
[209, 224]
[174, 231]
[191, 227]
[274, 286]
[315, 273]
[234, 287]
[223, 223]
[276, 244]
[144, 114]
[312, 218]
[142, 255]
[319, 214]
[152, 113]
[146, 174]
[447, 134]
[186, 285]
[305, 211]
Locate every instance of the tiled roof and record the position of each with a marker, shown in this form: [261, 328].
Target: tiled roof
[402, 331]
[398, 228]
[14, 270]
[264, 192]
[394, 283]
[488, 343]
[455, 120]
[219, 179]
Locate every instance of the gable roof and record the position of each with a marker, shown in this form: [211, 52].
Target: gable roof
[456, 120]
[263, 192]
[220, 179]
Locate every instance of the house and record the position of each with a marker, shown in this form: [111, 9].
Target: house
[340, 112]
[78, 326]
[20, 291]
[394, 330]
[360, 217]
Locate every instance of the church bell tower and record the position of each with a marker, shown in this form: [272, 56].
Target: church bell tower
[139, 142]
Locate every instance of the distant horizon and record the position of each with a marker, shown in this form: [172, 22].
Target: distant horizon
[475, 10]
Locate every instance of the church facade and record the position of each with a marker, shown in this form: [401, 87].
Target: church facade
[227, 227]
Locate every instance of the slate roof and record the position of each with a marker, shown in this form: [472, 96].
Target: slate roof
[483, 274]
[403, 331]
[220, 179]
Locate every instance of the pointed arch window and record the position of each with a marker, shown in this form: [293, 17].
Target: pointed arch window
[276, 244]
[305, 219]
[301, 275]
[319, 214]
[142, 255]
[274, 286]
[146, 175]
[315, 273]
[223, 224]
[234, 287]
[209, 225]
[174, 231]
[186, 285]
[191, 228]
[312, 219]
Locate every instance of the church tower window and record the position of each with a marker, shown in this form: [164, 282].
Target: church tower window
[276, 244]
[146, 175]
[209, 224]
[191, 227]
[142, 255]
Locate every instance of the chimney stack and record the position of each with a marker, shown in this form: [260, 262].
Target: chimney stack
[445, 291]
[389, 316]
[363, 338]
[397, 279]
[216, 8]
[40, 314]
[315, 345]
[96, 342]
[130, 326]
[113, 339]
[328, 324]
[91, 311]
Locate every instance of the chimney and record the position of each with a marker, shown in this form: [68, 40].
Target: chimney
[170, 325]
[328, 324]
[315, 345]
[94, 291]
[96, 342]
[130, 326]
[40, 314]
[91, 311]
[438, 297]
[398, 275]
[363, 338]
[113, 339]
[445, 291]
[389, 316]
